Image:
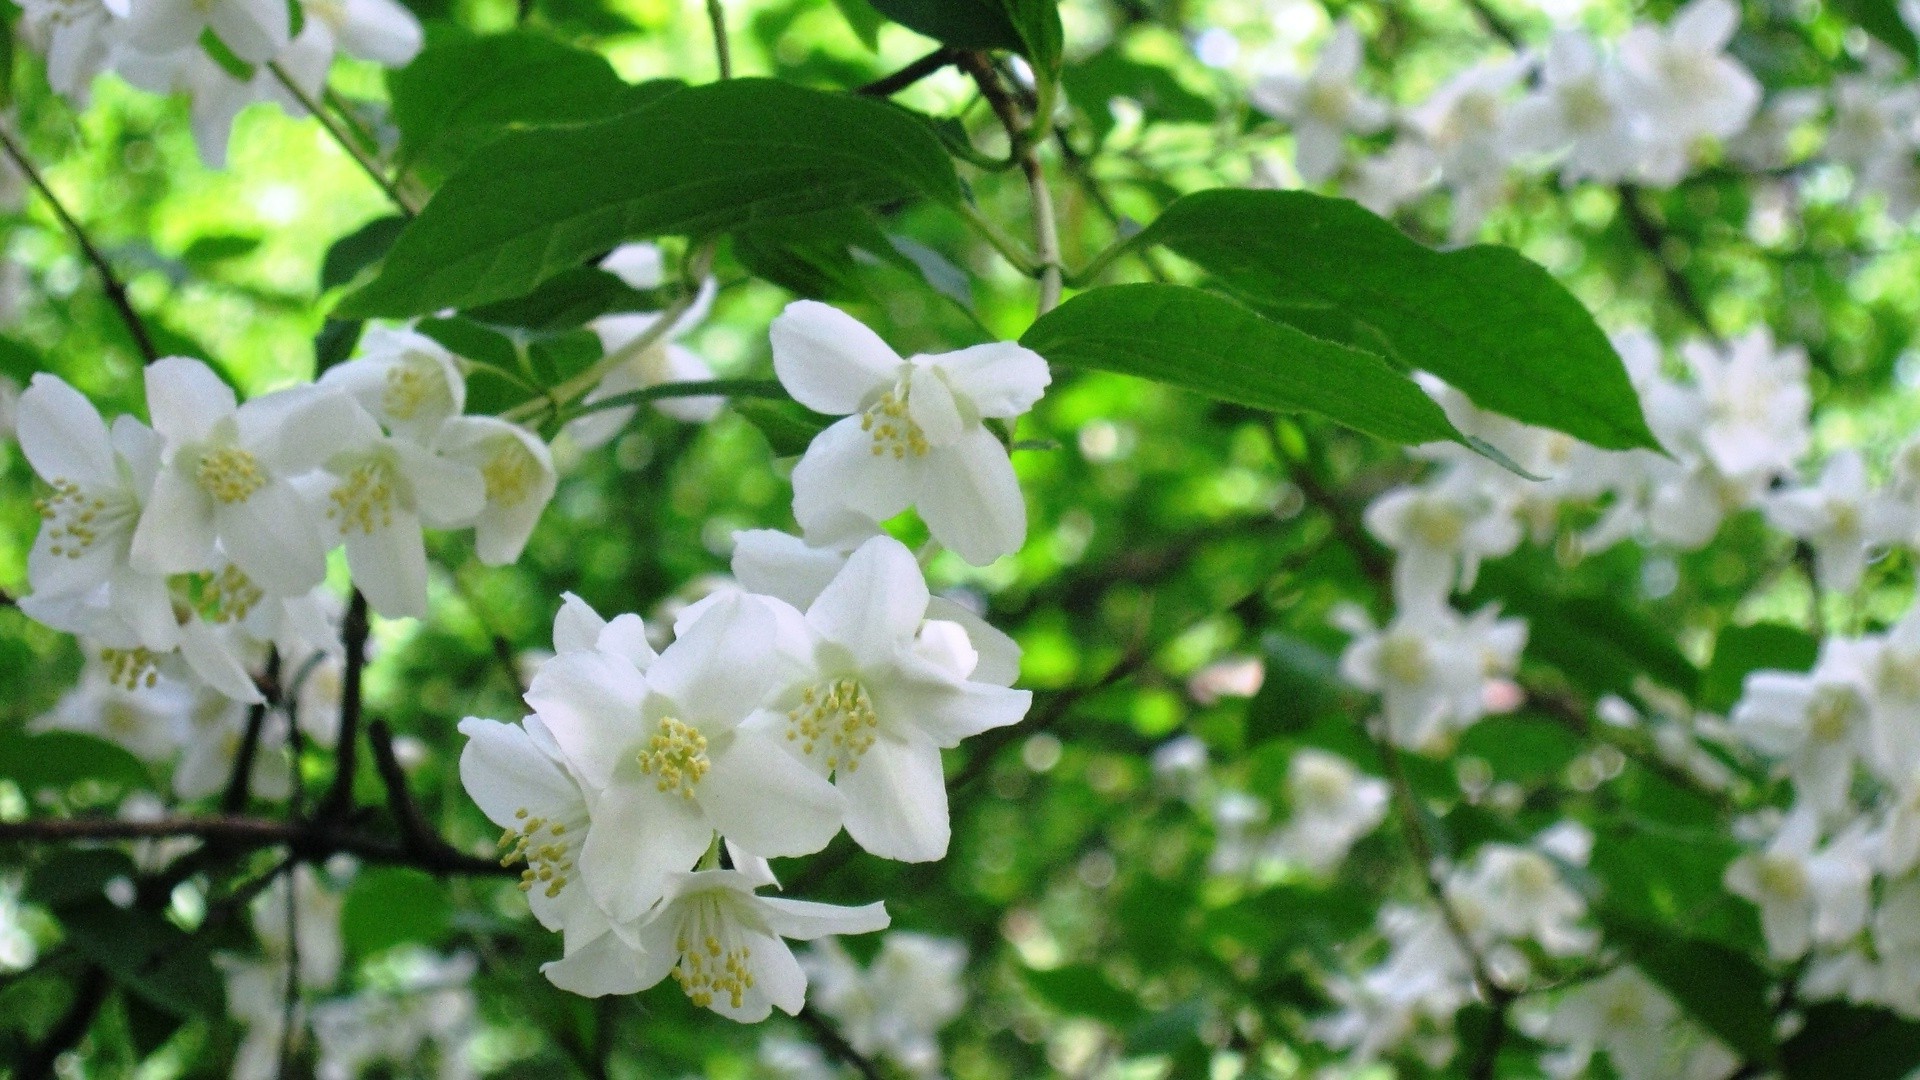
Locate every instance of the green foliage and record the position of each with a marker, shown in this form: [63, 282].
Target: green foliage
[539, 202]
[1197, 341]
[389, 906]
[1492, 324]
[1851, 1041]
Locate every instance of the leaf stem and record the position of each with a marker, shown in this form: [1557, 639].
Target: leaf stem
[889, 85]
[722, 51]
[733, 388]
[115, 288]
[346, 142]
[1007, 246]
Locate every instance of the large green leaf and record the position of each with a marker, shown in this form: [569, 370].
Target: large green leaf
[700, 160]
[1194, 340]
[465, 89]
[1093, 83]
[1742, 650]
[1483, 318]
[1721, 988]
[964, 24]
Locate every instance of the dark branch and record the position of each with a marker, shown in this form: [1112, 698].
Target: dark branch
[116, 289]
[89, 995]
[1652, 237]
[234, 799]
[417, 836]
[307, 841]
[889, 85]
[353, 635]
[836, 1044]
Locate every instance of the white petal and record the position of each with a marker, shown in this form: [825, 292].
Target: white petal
[804, 920]
[841, 474]
[576, 626]
[970, 498]
[639, 837]
[767, 801]
[447, 493]
[725, 664]
[828, 360]
[590, 703]
[505, 772]
[786, 567]
[1000, 379]
[777, 977]
[62, 435]
[175, 534]
[626, 636]
[998, 656]
[389, 566]
[381, 31]
[873, 606]
[897, 800]
[297, 431]
[253, 29]
[948, 710]
[606, 965]
[209, 652]
[931, 406]
[185, 399]
[276, 538]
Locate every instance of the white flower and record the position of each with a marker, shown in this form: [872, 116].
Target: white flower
[217, 726]
[789, 568]
[254, 29]
[1842, 519]
[78, 37]
[407, 380]
[784, 1058]
[722, 943]
[913, 433]
[885, 692]
[381, 490]
[1333, 805]
[256, 996]
[1323, 107]
[517, 470]
[17, 947]
[664, 361]
[896, 1007]
[1578, 109]
[1519, 892]
[1806, 894]
[1440, 533]
[665, 758]
[641, 266]
[150, 722]
[1465, 123]
[1431, 668]
[316, 944]
[217, 96]
[417, 999]
[224, 478]
[1756, 400]
[1818, 724]
[1394, 177]
[377, 30]
[1684, 81]
[100, 480]
[1642, 1032]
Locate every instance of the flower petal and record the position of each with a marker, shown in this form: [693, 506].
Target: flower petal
[805, 920]
[873, 606]
[175, 534]
[185, 399]
[639, 837]
[389, 566]
[725, 664]
[828, 360]
[606, 965]
[590, 704]
[276, 538]
[840, 473]
[767, 801]
[970, 498]
[897, 800]
[999, 379]
[62, 435]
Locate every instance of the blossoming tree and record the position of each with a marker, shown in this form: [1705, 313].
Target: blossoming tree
[976, 538]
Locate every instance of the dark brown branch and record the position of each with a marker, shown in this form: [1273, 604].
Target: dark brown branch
[836, 1044]
[353, 635]
[307, 841]
[116, 289]
[417, 836]
[89, 996]
[234, 799]
[889, 85]
[1652, 237]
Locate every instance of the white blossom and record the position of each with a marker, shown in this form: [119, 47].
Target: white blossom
[1323, 107]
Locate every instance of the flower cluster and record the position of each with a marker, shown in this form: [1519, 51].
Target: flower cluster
[1647, 110]
[156, 46]
[647, 789]
[194, 544]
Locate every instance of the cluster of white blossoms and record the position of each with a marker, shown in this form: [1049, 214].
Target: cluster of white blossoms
[1837, 876]
[894, 1008]
[1646, 109]
[1330, 805]
[647, 789]
[156, 45]
[414, 1012]
[190, 547]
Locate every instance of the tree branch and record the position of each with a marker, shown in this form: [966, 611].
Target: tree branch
[353, 635]
[367, 164]
[417, 836]
[309, 841]
[116, 289]
[889, 85]
[89, 996]
[234, 799]
[722, 52]
[1023, 137]
[836, 1044]
[1652, 237]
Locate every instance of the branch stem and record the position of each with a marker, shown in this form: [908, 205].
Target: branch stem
[345, 141]
[722, 51]
[353, 636]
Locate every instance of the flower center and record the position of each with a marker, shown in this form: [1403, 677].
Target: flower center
[676, 757]
[414, 386]
[840, 715]
[75, 519]
[894, 432]
[230, 474]
[1899, 673]
[1833, 712]
[1586, 106]
[545, 846]
[131, 668]
[1328, 100]
[1844, 520]
[225, 597]
[1437, 524]
[510, 474]
[1782, 876]
[710, 962]
[1320, 786]
[1532, 875]
[1403, 657]
[364, 499]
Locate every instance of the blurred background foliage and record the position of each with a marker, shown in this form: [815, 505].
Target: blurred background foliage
[1168, 534]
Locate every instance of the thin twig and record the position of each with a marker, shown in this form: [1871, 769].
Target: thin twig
[722, 52]
[290, 1000]
[1652, 237]
[836, 1044]
[417, 836]
[353, 635]
[1023, 135]
[116, 289]
[346, 142]
[234, 799]
[889, 85]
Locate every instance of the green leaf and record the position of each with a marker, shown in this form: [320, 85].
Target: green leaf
[60, 759]
[818, 255]
[1881, 18]
[1084, 991]
[1492, 324]
[147, 954]
[1853, 1041]
[358, 250]
[788, 426]
[76, 875]
[388, 906]
[208, 250]
[1093, 83]
[1742, 650]
[863, 19]
[564, 302]
[465, 89]
[746, 150]
[1722, 988]
[963, 24]
[1042, 40]
[18, 361]
[1194, 340]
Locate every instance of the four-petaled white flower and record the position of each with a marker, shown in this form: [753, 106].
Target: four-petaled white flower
[1842, 518]
[1332, 805]
[1807, 894]
[1819, 725]
[914, 433]
[517, 472]
[1323, 107]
